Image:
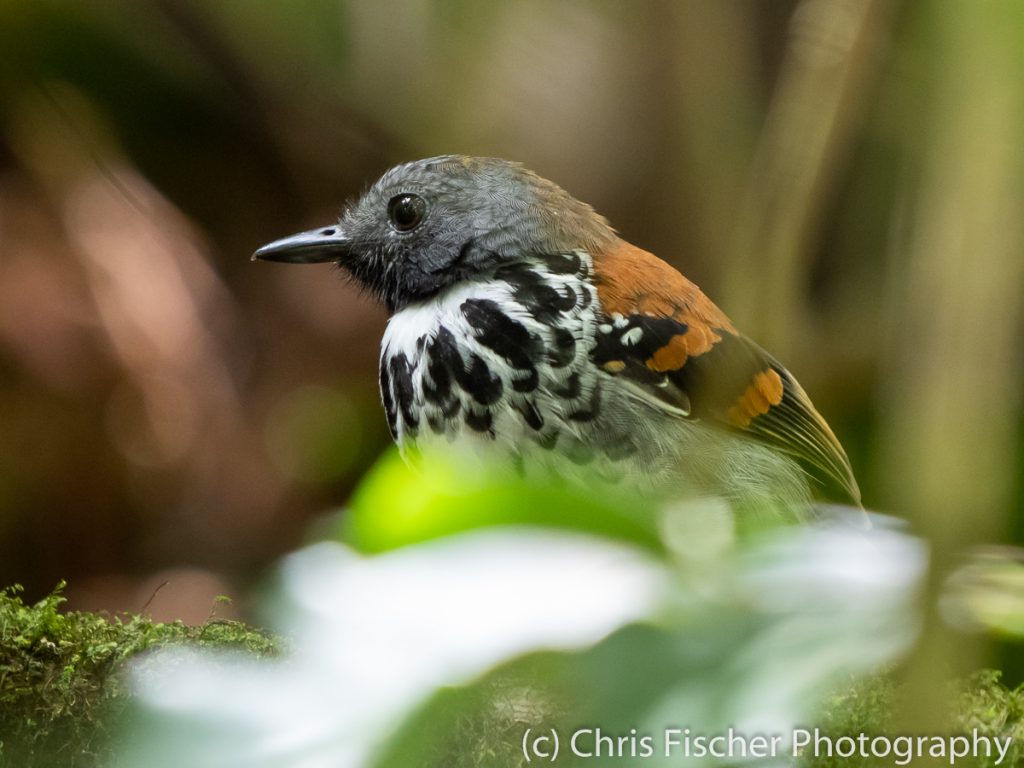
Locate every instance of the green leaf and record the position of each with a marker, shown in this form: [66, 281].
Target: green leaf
[396, 506]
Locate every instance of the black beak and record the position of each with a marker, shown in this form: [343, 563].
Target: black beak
[329, 244]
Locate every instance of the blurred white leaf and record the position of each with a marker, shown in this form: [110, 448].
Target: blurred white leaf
[373, 636]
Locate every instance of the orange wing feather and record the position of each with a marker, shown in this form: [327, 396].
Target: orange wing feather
[631, 281]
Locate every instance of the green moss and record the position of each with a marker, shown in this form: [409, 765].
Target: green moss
[981, 702]
[59, 681]
[995, 710]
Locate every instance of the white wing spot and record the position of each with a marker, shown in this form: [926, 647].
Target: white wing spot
[632, 336]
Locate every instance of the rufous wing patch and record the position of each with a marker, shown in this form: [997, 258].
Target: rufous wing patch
[631, 281]
[765, 390]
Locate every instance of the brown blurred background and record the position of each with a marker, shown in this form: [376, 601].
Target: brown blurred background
[844, 177]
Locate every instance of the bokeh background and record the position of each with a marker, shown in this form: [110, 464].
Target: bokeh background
[844, 177]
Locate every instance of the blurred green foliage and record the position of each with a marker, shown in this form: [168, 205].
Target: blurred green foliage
[482, 727]
[397, 505]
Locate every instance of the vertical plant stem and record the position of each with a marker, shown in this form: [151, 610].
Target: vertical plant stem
[831, 56]
[954, 349]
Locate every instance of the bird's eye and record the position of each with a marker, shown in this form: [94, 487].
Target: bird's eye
[406, 211]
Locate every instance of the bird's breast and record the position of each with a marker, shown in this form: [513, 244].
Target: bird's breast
[503, 361]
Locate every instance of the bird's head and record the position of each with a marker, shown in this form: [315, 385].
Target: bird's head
[430, 224]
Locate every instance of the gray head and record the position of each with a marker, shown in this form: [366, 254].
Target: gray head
[433, 223]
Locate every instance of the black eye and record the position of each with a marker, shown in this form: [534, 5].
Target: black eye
[406, 211]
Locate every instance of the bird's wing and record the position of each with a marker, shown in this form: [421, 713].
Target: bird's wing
[670, 341]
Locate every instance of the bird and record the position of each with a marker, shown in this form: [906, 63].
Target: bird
[523, 326]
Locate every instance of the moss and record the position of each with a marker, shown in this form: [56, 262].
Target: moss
[995, 710]
[59, 681]
[981, 701]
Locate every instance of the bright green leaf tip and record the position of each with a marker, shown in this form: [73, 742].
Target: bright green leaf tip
[397, 505]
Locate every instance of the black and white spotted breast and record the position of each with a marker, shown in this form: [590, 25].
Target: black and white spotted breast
[505, 360]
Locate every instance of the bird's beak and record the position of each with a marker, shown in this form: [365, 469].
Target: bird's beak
[327, 244]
